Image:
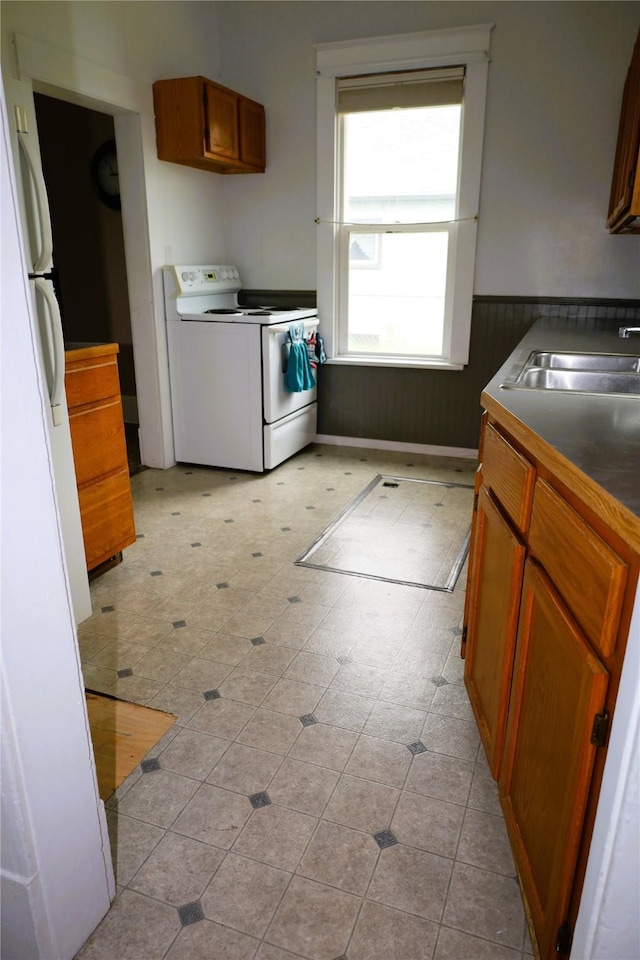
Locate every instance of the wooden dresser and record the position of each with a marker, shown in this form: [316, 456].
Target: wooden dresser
[99, 451]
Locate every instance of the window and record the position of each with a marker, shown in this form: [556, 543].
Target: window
[398, 147]
[398, 185]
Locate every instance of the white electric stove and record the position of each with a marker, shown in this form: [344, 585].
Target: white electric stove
[226, 367]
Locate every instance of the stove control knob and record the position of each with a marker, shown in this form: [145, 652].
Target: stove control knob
[185, 275]
[224, 275]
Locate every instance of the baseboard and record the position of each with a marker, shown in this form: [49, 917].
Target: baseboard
[398, 446]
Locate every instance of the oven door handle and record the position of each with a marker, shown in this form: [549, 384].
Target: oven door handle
[311, 323]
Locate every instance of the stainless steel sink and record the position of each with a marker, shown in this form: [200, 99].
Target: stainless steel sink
[590, 373]
[581, 381]
[584, 361]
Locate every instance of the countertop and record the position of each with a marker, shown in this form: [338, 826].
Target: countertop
[86, 351]
[599, 435]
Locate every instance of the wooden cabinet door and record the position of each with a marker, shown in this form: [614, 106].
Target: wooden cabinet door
[221, 122]
[252, 132]
[179, 108]
[559, 687]
[497, 566]
[624, 201]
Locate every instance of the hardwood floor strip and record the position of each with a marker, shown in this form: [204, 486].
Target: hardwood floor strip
[122, 734]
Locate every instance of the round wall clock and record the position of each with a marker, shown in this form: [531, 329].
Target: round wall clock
[104, 174]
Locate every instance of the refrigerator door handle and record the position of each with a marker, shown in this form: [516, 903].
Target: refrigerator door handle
[54, 321]
[42, 259]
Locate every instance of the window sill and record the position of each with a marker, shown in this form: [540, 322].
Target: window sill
[410, 364]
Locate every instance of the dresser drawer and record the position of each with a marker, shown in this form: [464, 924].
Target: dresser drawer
[589, 576]
[107, 517]
[99, 445]
[90, 381]
[509, 475]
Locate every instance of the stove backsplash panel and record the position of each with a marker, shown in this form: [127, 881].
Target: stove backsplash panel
[287, 299]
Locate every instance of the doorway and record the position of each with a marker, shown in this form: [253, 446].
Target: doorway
[89, 256]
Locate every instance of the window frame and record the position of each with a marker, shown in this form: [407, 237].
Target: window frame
[466, 46]
[343, 269]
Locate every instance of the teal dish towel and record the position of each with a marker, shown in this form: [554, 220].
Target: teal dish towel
[299, 375]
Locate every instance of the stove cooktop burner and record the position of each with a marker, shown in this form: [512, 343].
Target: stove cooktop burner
[248, 312]
[280, 309]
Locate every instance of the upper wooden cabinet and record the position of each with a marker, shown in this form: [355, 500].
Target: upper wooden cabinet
[203, 124]
[624, 203]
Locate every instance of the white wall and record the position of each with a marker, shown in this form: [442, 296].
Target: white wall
[555, 85]
[55, 863]
[143, 42]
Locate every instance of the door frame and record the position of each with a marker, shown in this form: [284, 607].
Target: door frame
[65, 76]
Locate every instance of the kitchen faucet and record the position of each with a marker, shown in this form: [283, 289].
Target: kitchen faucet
[624, 332]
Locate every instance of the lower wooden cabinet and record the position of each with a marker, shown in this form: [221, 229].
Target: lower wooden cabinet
[550, 592]
[559, 690]
[99, 451]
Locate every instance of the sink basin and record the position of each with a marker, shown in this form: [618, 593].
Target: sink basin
[592, 373]
[581, 381]
[584, 361]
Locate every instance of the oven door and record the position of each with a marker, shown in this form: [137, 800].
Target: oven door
[277, 401]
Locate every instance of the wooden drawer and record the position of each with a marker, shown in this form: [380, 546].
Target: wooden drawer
[509, 475]
[99, 445]
[91, 382]
[107, 517]
[585, 571]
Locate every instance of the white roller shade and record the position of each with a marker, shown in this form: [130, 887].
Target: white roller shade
[427, 88]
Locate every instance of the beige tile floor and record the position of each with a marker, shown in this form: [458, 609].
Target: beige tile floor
[323, 793]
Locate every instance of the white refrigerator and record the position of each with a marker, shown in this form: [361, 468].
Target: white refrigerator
[38, 248]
